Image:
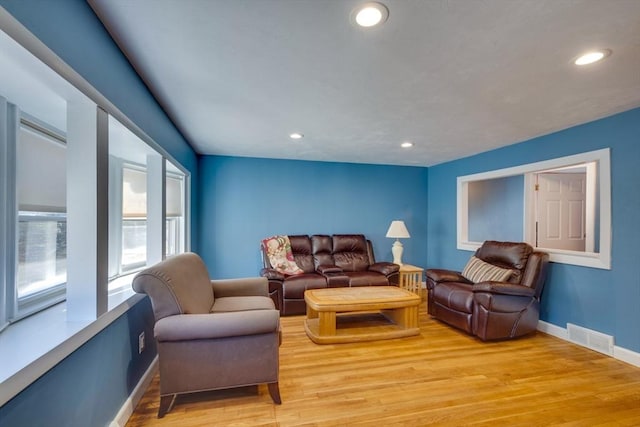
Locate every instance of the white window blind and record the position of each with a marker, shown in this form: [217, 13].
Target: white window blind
[174, 196]
[134, 193]
[41, 172]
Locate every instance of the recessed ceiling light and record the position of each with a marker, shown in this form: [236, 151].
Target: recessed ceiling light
[296, 135]
[591, 57]
[369, 14]
[406, 144]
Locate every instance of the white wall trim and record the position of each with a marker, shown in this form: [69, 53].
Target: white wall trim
[130, 404]
[627, 356]
[619, 353]
[551, 329]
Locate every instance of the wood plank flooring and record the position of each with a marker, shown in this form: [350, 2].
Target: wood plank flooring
[441, 377]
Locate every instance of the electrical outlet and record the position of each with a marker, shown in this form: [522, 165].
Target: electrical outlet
[141, 342]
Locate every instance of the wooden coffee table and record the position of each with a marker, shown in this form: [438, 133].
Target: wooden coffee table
[368, 313]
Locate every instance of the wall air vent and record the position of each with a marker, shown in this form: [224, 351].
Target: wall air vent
[597, 341]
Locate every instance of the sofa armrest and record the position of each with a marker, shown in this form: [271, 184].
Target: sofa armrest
[185, 327]
[504, 288]
[328, 269]
[271, 274]
[438, 275]
[386, 268]
[249, 286]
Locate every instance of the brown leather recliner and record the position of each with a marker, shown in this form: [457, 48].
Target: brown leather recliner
[211, 334]
[492, 310]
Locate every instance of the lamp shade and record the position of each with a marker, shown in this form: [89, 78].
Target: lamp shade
[398, 230]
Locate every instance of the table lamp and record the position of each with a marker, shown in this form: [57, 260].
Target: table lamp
[397, 230]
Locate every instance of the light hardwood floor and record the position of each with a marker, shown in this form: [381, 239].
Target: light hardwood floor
[441, 377]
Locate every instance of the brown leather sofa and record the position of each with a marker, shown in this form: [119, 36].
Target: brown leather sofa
[340, 260]
[491, 310]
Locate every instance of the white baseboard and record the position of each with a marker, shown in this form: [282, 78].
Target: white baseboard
[619, 353]
[130, 404]
[627, 356]
[551, 329]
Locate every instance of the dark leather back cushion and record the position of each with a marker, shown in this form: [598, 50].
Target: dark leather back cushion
[349, 243]
[505, 254]
[301, 248]
[350, 252]
[352, 261]
[321, 246]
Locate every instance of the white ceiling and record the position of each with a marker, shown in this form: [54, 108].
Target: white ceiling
[455, 77]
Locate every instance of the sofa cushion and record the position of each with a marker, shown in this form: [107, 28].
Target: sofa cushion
[506, 254]
[477, 271]
[321, 247]
[294, 286]
[244, 303]
[278, 250]
[512, 255]
[350, 252]
[301, 247]
[366, 278]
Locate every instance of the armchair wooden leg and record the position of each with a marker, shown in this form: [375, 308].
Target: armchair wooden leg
[274, 392]
[166, 403]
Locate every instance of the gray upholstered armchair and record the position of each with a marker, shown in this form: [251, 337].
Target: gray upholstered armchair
[211, 334]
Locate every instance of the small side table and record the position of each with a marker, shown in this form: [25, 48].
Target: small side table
[410, 278]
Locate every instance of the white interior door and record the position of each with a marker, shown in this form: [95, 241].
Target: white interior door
[561, 210]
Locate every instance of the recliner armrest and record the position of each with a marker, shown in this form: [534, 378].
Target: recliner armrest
[438, 275]
[249, 286]
[271, 274]
[504, 288]
[327, 269]
[185, 327]
[385, 268]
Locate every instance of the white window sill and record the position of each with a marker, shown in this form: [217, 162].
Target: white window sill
[31, 347]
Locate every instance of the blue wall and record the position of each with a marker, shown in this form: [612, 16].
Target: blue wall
[603, 300]
[244, 200]
[496, 209]
[89, 387]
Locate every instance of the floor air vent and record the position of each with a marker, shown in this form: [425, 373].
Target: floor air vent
[597, 341]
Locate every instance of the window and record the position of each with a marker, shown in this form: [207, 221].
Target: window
[41, 227]
[42, 252]
[54, 231]
[174, 239]
[139, 179]
[134, 218]
[54, 201]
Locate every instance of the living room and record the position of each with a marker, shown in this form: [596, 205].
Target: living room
[237, 201]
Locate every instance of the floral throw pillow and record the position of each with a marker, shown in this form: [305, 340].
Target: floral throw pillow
[278, 249]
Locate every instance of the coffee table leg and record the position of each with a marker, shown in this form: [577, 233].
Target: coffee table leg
[406, 317]
[327, 323]
[311, 313]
